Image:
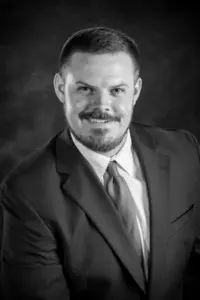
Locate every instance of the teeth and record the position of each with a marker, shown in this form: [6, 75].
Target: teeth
[97, 121]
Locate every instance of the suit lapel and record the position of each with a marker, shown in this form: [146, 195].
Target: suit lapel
[155, 166]
[85, 188]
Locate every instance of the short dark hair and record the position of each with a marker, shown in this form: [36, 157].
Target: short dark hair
[99, 40]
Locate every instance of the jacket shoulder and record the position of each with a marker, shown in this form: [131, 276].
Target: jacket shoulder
[33, 167]
[172, 139]
[34, 183]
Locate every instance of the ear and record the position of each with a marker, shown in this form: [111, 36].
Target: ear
[59, 87]
[137, 89]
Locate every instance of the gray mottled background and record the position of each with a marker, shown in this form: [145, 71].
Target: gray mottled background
[32, 34]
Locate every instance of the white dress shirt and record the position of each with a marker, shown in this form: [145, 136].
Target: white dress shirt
[130, 170]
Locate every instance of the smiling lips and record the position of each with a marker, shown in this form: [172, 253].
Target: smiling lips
[98, 121]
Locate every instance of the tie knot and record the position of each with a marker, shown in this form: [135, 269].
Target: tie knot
[112, 169]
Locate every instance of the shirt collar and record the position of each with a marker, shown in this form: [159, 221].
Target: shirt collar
[125, 156]
[100, 162]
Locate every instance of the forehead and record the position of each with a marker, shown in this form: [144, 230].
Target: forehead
[89, 66]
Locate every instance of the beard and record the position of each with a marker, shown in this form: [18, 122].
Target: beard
[98, 141]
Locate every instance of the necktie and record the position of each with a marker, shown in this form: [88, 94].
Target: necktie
[118, 190]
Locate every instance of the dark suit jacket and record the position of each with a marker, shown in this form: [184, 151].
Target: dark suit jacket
[62, 239]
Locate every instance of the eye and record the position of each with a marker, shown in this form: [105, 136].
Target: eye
[117, 91]
[85, 90]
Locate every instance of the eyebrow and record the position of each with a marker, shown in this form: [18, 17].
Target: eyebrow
[84, 83]
[91, 86]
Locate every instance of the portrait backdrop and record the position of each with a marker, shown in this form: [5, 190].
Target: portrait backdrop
[32, 35]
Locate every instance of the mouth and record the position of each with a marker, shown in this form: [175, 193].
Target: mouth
[97, 121]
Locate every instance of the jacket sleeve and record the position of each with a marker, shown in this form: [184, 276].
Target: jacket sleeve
[196, 145]
[192, 139]
[31, 268]
[192, 277]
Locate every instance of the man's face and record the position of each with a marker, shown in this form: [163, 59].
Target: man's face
[98, 92]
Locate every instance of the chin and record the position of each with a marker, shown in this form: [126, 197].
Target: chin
[100, 139]
[100, 133]
[101, 143]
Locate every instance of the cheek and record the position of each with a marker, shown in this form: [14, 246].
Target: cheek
[75, 103]
[124, 108]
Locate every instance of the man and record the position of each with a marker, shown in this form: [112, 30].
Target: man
[108, 208]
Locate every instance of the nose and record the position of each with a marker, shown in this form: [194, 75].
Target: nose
[103, 100]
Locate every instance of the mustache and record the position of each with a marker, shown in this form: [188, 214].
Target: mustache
[98, 114]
